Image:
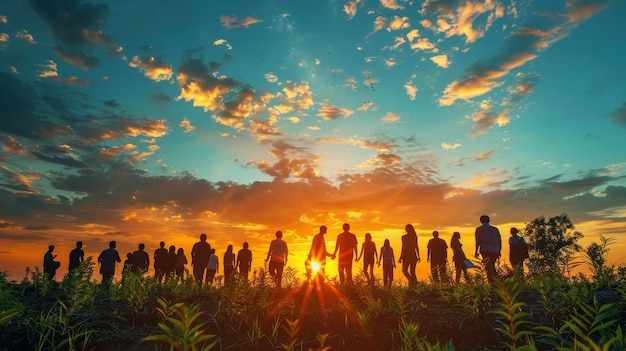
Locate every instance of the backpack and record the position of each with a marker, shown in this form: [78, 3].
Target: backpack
[519, 249]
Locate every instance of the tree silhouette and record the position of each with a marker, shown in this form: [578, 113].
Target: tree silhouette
[551, 245]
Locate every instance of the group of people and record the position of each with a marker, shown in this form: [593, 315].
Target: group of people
[170, 264]
[488, 248]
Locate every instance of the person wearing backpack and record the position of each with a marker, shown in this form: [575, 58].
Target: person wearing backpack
[518, 252]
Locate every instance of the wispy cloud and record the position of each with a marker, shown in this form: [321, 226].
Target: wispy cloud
[234, 22]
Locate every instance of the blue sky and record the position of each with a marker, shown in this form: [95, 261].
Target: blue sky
[142, 121]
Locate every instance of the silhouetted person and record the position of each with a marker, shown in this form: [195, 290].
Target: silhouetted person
[107, 260]
[128, 264]
[317, 255]
[161, 261]
[458, 257]
[277, 256]
[200, 254]
[212, 267]
[308, 270]
[181, 261]
[49, 264]
[141, 260]
[489, 244]
[389, 263]
[77, 256]
[347, 246]
[229, 264]
[171, 263]
[370, 255]
[410, 254]
[518, 253]
[244, 262]
[438, 258]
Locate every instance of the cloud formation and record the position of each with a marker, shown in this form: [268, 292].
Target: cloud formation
[77, 26]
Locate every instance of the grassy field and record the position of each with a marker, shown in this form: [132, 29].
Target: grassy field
[136, 313]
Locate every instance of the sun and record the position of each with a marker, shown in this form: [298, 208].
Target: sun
[315, 266]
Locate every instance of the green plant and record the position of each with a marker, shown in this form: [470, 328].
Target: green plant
[475, 296]
[77, 285]
[134, 289]
[604, 275]
[365, 319]
[292, 328]
[275, 331]
[59, 328]
[36, 280]
[321, 339]
[7, 315]
[590, 329]
[409, 335]
[551, 243]
[512, 316]
[255, 334]
[179, 328]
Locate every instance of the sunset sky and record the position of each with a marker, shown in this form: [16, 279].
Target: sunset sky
[142, 121]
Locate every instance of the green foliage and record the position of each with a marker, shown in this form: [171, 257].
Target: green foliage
[591, 327]
[255, 334]
[410, 340]
[7, 315]
[512, 317]
[10, 304]
[179, 327]
[475, 296]
[134, 289]
[290, 277]
[551, 244]
[321, 339]
[409, 335]
[78, 286]
[37, 281]
[60, 328]
[604, 275]
[292, 328]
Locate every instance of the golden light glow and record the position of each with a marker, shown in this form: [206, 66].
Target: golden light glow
[315, 266]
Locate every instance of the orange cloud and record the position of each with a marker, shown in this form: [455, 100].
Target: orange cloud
[350, 8]
[391, 4]
[460, 20]
[153, 68]
[390, 117]
[441, 61]
[233, 22]
[186, 125]
[331, 112]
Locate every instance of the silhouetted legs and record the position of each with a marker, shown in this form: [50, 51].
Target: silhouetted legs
[345, 272]
[387, 275]
[408, 269]
[276, 271]
[489, 260]
[438, 272]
